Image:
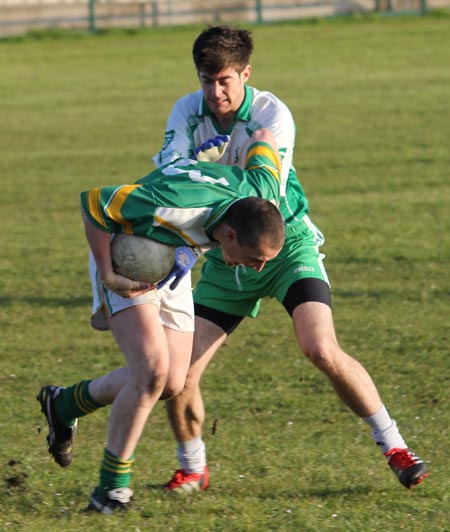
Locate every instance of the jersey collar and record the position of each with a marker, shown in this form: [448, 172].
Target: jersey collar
[217, 215]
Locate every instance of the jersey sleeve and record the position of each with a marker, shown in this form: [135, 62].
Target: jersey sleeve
[119, 209]
[178, 137]
[264, 171]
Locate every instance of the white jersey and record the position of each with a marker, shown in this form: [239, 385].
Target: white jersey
[191, 123]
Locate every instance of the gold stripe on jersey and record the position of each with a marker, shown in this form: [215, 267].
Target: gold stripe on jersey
[93, 201]
[175, 229]
[114, 207]
[264, 151]
[276, 175]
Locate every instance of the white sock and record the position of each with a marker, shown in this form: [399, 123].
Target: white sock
[192, 455]
[385, 431]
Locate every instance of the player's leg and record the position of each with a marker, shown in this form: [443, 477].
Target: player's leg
[104, 389]
[303, 288]
[157, 343]
[186, 410]
[176, 312]
[315, 333]
[177, 316]
[141, 338]
[215, 289]
[63, 406]
[314, 329]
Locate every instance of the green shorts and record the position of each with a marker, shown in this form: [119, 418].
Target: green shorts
[239, 290]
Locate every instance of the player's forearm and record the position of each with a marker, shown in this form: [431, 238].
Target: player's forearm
[99, 242]
[264, 135]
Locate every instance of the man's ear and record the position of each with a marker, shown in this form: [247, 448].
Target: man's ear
[230, 234]
[245, 74]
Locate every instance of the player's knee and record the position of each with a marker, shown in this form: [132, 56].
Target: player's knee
[173, 387]
[192, 380]
[151, 384]
[324, 355]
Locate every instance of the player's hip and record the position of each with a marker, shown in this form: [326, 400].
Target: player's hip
[176, 307]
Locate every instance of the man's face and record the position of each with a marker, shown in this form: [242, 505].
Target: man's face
[224, 91]
[253, 257]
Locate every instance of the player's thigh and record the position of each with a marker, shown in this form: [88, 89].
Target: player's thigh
[313, 325]
[208, 337]
[177, 316]
[141, 337]
[180, 351]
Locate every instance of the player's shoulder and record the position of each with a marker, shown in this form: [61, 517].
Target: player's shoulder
[266, 97]
[190, 102]
[267, 102]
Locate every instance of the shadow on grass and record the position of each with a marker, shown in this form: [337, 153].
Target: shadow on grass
[338, 492]
[319, 493]
[325, 493]
[358, 294]
[40, 301]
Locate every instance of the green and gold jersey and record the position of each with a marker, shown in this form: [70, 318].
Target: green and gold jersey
[180, 204]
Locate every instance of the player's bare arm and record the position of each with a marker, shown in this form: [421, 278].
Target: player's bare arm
[264, 135]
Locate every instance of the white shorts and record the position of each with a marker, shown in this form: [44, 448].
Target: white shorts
[176, 307]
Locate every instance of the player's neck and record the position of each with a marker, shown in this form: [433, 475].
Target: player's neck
[225, 121]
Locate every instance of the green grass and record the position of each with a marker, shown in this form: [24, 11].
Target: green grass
[370, 98]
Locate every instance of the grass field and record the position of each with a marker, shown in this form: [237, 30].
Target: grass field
[371, 101]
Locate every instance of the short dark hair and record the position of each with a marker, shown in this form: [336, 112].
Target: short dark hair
[254, 219]
[220, 47]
